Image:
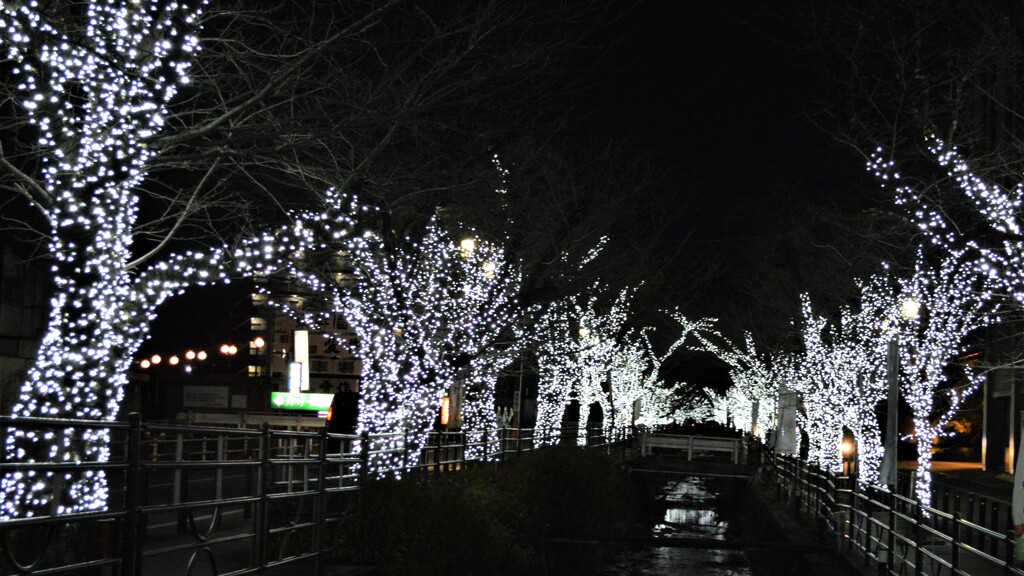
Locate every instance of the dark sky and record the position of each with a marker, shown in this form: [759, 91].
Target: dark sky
[721, 91]
[724, 93]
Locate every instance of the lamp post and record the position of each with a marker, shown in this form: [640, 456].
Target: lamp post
[909, 310]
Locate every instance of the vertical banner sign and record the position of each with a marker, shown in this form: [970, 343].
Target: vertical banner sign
[785, 431]
[753, 418]
[301, 351]
[446, 410]
[887, 473]
[294, 377]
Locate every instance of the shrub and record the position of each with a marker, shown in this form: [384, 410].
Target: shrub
[490, 520]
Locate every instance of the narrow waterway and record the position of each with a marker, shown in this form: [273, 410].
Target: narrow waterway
[684, 507]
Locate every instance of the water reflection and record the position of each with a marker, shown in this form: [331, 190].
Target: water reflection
[689, 513]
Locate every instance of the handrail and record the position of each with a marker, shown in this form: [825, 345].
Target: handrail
[895, 533]
[178, 489]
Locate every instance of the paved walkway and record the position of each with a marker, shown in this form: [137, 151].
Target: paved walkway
[972, 476]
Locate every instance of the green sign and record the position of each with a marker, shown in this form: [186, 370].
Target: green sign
[300, 401]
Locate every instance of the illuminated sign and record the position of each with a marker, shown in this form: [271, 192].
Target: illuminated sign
[295, 377]
[301, 342]
[300, 401]
[446, 410]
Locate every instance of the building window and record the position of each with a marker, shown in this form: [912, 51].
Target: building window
[257, 324]
[319, 365]
[255, 371]
[346, 366]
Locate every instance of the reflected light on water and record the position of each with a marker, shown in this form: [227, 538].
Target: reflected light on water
[692, 516]
[689, 513]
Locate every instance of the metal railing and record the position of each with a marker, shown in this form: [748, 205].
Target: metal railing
[232, 501]
[894, 533]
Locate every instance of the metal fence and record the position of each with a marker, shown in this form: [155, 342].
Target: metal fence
[229, 501]
[894, 533]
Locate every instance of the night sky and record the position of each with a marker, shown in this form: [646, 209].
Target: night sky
[725, 92]
[711, 87]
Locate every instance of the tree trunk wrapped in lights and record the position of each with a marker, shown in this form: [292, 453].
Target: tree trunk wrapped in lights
[825, 396]
[422, 315]
[95, 94]
[479, 416]
[576, 344]
[953, 303]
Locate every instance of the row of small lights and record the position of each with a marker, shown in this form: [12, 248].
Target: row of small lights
[192, 355]
[468, 245]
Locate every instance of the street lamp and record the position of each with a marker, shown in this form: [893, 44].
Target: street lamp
[909, 310]
[849, 450]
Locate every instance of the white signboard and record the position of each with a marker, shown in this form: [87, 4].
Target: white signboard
[787, 440]
[205, 397]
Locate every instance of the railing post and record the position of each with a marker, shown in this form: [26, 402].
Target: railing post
[955, 552]
[264, 489]
[220, 470]
[994, 519]
[852, 514]
[979, 539]
[180, 481]
[956, 508]
[364, 458]
[405, 451]
[1008, 539]
[321, 503]
[890, 540]
[918, 555]
[438, 457]
[132, 546]
[869, 510]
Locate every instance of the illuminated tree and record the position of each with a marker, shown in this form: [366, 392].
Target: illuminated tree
[823, 395]
[576, 343]
[635, 381]
[478, 416]
[953, 303]
[753, 377]
[989, 236]
[983, 254]
[95, 97]
[424, 316]
[863, 339]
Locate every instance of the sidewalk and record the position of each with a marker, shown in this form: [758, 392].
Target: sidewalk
[970, 476]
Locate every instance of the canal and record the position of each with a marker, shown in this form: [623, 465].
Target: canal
[686, 509]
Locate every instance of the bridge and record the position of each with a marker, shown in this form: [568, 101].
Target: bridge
[229, 500]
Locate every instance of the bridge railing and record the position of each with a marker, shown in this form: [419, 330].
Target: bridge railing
[209, 499]
[891, 533]
[693, 444]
